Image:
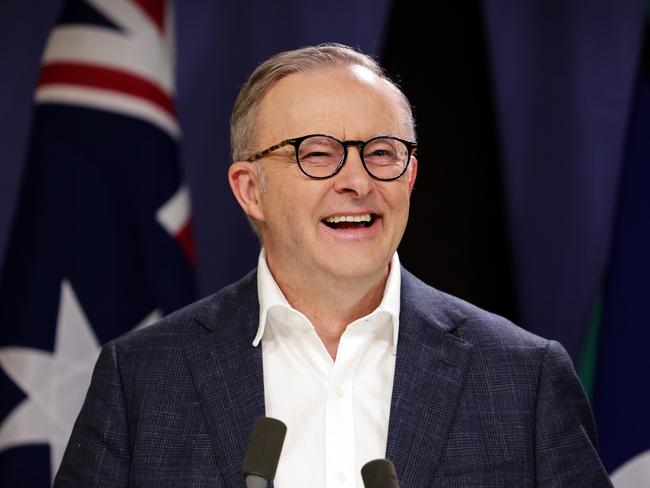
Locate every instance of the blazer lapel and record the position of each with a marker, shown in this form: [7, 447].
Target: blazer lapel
[227, 373]
[430, 372]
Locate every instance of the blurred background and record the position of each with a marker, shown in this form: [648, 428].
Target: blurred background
[532, 198]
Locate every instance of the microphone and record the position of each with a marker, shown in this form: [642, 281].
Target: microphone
[379, 473]
[264, 448]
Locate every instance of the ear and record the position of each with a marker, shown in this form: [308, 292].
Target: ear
[413, 173]
[245, 182]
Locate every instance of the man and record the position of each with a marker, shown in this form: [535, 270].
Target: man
[359, 358]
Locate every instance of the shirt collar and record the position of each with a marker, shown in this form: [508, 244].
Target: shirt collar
[270, 295]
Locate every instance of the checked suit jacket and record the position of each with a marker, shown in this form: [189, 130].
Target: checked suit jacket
[476, 402]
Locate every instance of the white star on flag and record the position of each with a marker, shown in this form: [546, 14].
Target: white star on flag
[55, 382]
[634, 473]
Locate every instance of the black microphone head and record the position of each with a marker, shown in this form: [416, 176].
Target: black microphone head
[379, 473]
[264, 448]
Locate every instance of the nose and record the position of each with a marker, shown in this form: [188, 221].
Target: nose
[353, 177]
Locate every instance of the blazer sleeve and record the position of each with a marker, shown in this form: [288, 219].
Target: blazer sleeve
[98, 450]
[565, 433]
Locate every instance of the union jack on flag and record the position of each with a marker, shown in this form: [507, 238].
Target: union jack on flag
[101, 240]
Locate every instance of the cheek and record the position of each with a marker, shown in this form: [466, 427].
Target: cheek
[398, 198]
[294, 204]
[288, 215]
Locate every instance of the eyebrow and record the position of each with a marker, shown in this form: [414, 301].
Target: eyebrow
[382, 134]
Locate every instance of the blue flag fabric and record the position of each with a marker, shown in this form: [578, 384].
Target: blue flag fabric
[101, 240]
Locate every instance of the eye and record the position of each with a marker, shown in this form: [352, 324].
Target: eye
[319, 150]
[316, 154]
[382, 153]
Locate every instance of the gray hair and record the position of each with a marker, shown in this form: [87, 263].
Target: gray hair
[243, 120]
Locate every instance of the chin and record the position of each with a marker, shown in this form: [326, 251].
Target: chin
[353, 267]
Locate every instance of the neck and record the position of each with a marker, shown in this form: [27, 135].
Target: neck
[331, 304]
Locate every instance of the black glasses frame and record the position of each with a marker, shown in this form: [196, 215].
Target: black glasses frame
[296, 141]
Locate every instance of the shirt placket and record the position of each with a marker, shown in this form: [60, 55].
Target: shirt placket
[340, 458]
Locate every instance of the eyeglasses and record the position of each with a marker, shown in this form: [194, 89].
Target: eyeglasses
[319, 156]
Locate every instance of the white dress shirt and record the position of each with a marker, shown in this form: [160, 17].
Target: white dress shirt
[336, 412]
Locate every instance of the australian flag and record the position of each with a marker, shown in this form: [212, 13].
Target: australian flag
[101, 239]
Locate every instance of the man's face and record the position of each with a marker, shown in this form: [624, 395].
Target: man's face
[296, 213]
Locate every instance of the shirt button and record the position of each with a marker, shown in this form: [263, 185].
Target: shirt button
[340, 477]
[339, 391]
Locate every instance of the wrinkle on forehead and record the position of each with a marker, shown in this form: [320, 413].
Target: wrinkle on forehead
[344, 102]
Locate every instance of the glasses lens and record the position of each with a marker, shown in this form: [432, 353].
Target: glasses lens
[385, 157]
[319, 156]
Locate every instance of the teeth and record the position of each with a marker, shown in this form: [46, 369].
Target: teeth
[335, 219]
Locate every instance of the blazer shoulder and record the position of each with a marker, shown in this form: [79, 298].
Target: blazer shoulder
[206, 314]
[465, 320]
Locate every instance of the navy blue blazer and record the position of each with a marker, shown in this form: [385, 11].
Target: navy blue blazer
[477, 401]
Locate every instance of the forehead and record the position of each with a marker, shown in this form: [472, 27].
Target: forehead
[347, 102]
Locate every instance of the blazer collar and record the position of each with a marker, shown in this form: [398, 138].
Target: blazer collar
[430, 371]
[227, 373]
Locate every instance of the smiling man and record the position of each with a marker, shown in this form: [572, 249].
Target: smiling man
[330, 334]
[331, 206]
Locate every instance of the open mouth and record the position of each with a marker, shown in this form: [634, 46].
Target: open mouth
[350, 221]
